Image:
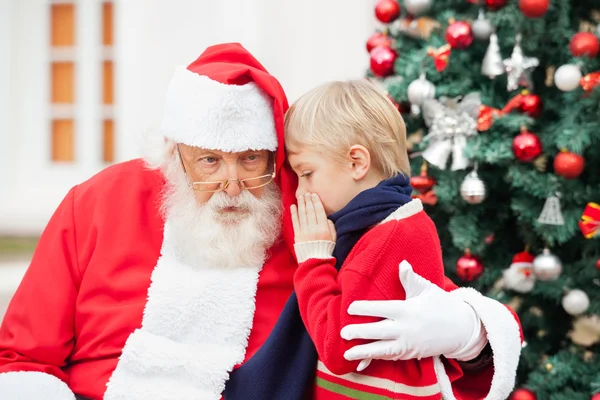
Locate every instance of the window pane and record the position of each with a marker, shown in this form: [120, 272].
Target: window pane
[107, 24]
[63, 141]
[108, 153]
[62, 24]
[107, 77]
[63, 82]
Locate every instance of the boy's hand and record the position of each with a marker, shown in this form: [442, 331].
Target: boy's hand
[310, 221]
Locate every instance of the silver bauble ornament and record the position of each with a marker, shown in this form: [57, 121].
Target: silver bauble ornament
[472, 189]
[567, 77]
[576, 302]
[482, 27]
[547, 266]
[417, 7]
[418, 91]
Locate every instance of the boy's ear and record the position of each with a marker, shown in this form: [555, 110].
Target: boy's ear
[361, 161]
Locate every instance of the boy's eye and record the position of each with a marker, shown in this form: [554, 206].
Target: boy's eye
[306, 175]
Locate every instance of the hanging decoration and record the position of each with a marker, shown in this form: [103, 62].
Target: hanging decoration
[584, 44]
[379, 39]
[472, 188]
[546, 266]
[551, 213]
[518, 67]
[492, 64]
[441, 56]
[590, 81]
[519, 276]
[469, 267]
[382, 61]
[418, 91]
[387, 11]
[576, 302]
[450, 123]
[459, 35]
[567, 77]
[590, 221]
[482, 27]
[568, 165]
[526, 146]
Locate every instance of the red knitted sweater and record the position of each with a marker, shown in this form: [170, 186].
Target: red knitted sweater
[370, 272]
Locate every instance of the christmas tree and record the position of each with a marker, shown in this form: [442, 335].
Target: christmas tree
[503, 116]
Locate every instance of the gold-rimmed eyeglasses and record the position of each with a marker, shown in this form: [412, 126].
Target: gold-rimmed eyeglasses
[217, 186]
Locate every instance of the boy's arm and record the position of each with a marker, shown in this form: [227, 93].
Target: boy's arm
[323, 300]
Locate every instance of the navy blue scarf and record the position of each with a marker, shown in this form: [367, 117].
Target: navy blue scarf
[284, 367]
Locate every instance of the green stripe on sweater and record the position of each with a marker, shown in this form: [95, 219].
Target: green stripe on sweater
[346, 391]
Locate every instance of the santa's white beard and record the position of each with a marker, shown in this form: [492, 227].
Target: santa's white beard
[204, 233]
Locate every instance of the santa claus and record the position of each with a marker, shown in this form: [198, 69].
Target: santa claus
[172, 278]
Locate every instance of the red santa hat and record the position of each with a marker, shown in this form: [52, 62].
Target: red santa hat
[523, 261]
[223, 101]
[226, 100]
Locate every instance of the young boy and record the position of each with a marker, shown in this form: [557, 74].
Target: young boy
[347, 143]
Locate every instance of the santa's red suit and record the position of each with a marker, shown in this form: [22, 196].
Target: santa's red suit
[107, 309]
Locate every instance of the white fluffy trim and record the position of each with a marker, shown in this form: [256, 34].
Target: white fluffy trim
[504, 338]
[195, 329]
[30, 385]
[205, 113]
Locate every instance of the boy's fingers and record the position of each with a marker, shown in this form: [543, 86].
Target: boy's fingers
[302, 222]
[332, 230]
[319, 210]
[295, 223]
[311, 217]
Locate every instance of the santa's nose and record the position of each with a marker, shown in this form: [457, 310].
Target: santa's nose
[233, 189]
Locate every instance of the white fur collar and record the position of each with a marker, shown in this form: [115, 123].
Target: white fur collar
[194, 331]
[407, 210]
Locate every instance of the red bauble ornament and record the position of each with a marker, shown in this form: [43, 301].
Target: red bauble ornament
[568, 165]
[526, 146]
[382, 61]
[595, 397]
[387, 10]
[534, 8]
[378, 39]
[532, 105]
[598, 264]
[495, 4]
[459, 35]
[584, 44]
[422, 183]
[469, 267]
[523, 394]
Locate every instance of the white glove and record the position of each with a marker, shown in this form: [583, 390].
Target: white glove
[430, 322]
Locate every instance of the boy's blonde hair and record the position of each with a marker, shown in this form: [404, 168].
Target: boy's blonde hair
[337, 115]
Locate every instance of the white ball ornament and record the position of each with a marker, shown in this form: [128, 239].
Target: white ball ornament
[576, 302]
[472, 189]
[482, 27]
[546, 266]
[417, 7]
[567, 77]
[418, 91]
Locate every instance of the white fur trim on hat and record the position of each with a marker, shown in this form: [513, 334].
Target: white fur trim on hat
[205, 113]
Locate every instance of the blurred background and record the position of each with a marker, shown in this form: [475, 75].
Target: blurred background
[82, 81]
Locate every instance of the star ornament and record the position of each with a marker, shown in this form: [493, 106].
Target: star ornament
[518, 68]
